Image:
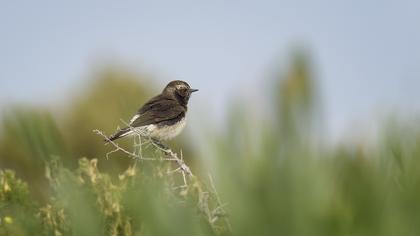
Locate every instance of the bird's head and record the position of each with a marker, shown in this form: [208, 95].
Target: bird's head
[180, 90]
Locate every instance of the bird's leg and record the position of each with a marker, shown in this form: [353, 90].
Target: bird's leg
[159, 144]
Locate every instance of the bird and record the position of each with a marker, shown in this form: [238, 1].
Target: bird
[161, 118]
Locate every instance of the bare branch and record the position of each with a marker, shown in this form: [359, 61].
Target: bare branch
[220, 209]
[167, 151]
[142, 141]
[185, 169]
[133, 155]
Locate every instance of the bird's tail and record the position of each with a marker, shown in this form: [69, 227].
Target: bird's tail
[119, 134]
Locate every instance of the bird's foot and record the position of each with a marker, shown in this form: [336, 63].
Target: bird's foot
[160, 145]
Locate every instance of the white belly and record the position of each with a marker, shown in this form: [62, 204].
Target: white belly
[162, 133]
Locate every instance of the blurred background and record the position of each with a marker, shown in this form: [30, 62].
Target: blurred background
[308, 93]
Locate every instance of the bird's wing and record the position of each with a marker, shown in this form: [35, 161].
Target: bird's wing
[157, 110]
[153, 102]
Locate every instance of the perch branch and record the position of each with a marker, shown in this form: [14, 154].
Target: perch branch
[118, 148]
[172, 156]
[220, 210]
[212, 215]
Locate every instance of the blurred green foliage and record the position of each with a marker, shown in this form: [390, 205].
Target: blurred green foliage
[276, 179]
[112, 97]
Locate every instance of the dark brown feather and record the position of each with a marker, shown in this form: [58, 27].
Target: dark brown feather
[157, 110]
[167, 108]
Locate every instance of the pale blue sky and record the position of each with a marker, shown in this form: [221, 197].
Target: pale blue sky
[366, 53]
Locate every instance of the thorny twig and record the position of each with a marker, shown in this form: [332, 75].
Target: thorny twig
[185, 170]
[219, 211]
[131, 154]
[212, 215]
[166, 150]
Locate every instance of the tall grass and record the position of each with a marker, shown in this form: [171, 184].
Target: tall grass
[271, 177]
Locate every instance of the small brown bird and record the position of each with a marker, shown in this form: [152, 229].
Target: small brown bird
[163, 116]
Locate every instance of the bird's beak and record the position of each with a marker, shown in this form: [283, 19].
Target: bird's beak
[193, 90]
